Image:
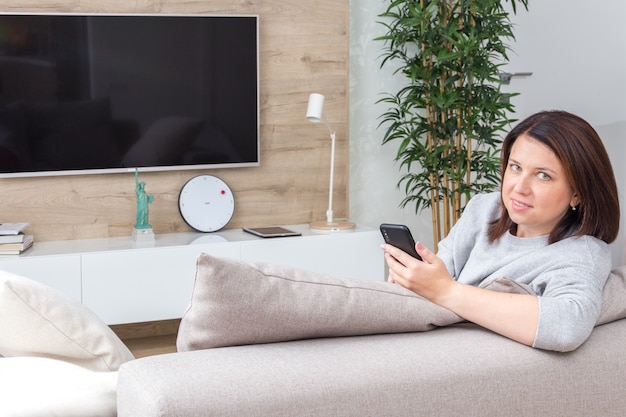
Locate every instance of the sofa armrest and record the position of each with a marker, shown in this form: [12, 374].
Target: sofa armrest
[457, 370]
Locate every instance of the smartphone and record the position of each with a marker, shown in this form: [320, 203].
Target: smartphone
[399, 235]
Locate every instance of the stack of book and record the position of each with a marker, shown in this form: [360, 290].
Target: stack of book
[13, 240]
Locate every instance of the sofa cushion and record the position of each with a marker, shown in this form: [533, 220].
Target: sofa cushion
[236, 303]
[39, 387]
[614, 297]
[458, 370]
[37, 320]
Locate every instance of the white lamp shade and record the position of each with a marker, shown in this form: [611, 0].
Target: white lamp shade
[315, 109]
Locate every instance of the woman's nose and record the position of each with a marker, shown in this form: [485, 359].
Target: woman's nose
[522, 184]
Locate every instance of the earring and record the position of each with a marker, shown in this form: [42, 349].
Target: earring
[574, 208]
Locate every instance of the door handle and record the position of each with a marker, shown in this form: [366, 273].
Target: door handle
[505, 77]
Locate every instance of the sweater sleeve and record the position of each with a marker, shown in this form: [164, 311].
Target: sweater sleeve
[570, 296]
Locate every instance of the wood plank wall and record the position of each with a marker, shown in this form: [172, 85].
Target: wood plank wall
[303, 49]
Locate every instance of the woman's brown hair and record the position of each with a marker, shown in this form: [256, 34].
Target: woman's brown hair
[587, 167]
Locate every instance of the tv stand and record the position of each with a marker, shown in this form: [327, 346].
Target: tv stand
[124, 281]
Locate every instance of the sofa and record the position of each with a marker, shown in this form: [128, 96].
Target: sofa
[261, 339]
[267, 340]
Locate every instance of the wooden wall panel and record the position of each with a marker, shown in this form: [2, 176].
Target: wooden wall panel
[303, 49]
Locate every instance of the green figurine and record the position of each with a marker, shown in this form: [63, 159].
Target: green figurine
[143, 200]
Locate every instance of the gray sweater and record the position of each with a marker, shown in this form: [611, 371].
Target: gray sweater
[568, 276]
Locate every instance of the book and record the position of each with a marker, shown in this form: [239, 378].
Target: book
[18, 238]
[16, 248]
[12, 228]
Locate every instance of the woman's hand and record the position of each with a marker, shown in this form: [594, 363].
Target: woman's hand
[429, 278]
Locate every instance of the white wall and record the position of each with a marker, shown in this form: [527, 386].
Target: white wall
[577, 54]
[374, 196]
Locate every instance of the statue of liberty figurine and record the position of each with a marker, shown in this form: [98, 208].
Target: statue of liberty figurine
[143, 200]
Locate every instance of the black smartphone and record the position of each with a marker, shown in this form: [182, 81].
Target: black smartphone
[399, 235]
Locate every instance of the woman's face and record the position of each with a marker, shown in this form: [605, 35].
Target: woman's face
[535, 191]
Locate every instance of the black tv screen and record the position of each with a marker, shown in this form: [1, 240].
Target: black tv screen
[114, 93]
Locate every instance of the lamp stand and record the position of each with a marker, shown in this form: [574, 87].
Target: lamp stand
[331, 225]
[336, 226]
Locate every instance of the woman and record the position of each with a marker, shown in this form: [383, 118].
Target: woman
[549, 227]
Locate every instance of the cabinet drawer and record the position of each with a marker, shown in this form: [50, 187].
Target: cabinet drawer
[143, 285]
[348, 255]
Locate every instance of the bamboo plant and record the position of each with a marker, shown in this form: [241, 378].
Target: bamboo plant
[449, 118]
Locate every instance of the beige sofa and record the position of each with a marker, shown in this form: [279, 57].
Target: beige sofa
[268, 340]
[460, 370]
[317, 346]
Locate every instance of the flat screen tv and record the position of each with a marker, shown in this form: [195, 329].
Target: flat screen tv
[82, 94]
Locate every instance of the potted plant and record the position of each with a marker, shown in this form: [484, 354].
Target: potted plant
[448, 119]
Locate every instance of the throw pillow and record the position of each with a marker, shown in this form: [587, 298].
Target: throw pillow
[614, 297]
[236, 303]
[508, 286]
[46, 387]
[37, 320]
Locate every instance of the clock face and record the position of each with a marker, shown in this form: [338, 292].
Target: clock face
[206, 203]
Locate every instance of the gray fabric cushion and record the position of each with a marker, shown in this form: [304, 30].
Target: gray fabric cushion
[614, 297]
[236, 303]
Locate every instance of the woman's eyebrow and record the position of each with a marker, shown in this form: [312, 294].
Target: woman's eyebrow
[536, 168]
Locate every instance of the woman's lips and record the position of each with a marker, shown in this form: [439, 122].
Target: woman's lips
[519, 205]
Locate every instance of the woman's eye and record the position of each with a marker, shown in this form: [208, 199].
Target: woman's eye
[515, 167]
[543, 176]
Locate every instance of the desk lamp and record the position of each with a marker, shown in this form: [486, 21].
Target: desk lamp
[315, 114]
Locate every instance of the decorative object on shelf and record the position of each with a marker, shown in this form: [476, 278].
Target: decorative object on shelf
[315, 114]
[206, 203]
[142, 231]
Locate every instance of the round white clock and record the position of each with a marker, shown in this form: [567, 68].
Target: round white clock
[206, 203]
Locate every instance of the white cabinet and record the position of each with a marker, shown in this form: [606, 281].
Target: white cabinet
[143, 284]
[123, 283]
[346, 254]
[57, 271]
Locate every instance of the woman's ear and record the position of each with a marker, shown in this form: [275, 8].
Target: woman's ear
[575, 201]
